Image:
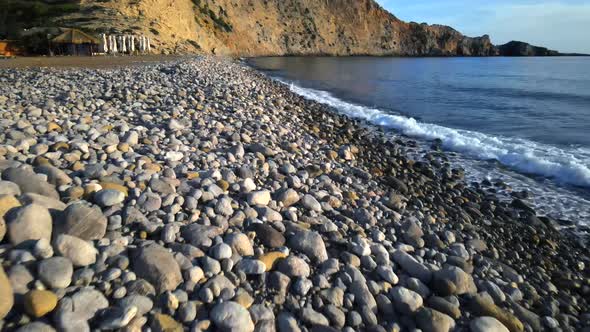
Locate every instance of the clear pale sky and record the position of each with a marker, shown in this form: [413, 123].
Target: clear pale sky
[563, 25]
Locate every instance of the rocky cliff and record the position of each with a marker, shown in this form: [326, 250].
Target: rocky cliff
[267, 27]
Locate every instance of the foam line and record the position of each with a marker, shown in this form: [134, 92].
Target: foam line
[524, 156]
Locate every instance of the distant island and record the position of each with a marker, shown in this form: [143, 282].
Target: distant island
[251, 28]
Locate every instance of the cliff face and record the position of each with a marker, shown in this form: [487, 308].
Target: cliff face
[273, 27]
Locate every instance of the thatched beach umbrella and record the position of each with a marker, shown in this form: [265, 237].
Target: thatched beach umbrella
[75, 36]
[75, 42]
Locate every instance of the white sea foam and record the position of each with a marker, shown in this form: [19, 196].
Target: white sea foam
[566, 166]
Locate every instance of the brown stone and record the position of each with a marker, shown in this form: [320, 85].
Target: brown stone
[38, 303]
[115, 186]
[7, 202]
[483, 306]
[271, 258]
[165, 323]
[6, 295]
[52, 126]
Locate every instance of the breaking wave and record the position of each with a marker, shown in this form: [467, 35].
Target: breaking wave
[524, 156]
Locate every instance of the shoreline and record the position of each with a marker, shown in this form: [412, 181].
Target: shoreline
[109, 61]
[388, 135]
[360, 202]
[567, 224]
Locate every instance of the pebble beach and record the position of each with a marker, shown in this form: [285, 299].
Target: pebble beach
[197, 194]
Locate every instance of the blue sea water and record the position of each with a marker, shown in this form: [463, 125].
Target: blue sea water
[525, 121]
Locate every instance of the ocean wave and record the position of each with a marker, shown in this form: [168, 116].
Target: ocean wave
[571, 167]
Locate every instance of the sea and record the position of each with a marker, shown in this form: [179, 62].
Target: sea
[523, 121]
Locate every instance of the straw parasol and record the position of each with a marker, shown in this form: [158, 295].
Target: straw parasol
[74, 36]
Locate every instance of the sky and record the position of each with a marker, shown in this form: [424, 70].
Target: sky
[562, 25]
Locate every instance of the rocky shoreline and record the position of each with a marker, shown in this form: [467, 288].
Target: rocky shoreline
[200, 195]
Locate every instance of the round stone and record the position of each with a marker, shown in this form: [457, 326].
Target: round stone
[109, 197]
[487, 324]
[31, 222]
[56, 272]
[230, 316]
[80, 252]
[38, 303]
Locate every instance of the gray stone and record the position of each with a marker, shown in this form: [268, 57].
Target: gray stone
[268, 236]
[260, 312]
[157, 265]
[309, 202]
[20, 279]
[487, 324]
[310, 243]
[232, 317]
[312, 317]
[70, 322]
[444, 306]
[175, 125]
[56, 272]
[36, 327]
[288, 197]
[387, 274]
[335, 315]
[55, 176]
[43, 249]
[116, 317]
[87, 302]
[294, 266]
[210, 266]
[109, 197]
[261, 197]
[362, 295]
[429, 320]
[240, 244]
[302, 286]
[187, 312]
[9, 188]
[80, 252]
[161, 186]
[463, 281]
[412, 266]
[406, 301]
[200, 235]
[224, 207]
[29, 182]
[251, 266]
[220, 251]
[149, 201]
[30, 222]
[287, 323]
[47, 202]
[82, 221]
[333, 296]
[143, 303]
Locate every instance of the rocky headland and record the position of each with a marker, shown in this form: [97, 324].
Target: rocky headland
[248, 28]
[199, 195]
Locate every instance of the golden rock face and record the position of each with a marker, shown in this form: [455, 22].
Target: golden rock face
[276, 27]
